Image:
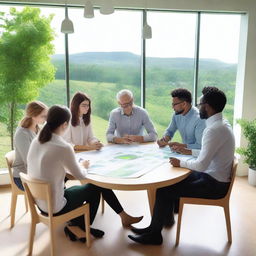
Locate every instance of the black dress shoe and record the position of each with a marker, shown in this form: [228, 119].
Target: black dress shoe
[72, 237]
[96, 232]
[148, 238]
[169, 222]
[140, 231]
[176, 206]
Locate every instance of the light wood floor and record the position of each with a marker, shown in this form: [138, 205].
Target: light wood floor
[203, 231]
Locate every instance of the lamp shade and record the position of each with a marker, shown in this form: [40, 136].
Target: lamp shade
[107, 7]
[88, 10]
[146, 32]
[67, 26]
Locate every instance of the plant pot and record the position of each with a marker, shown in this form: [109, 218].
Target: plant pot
[252, 177]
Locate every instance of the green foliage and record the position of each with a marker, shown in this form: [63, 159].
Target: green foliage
[104, 105]
[25, 66]
[249, 152]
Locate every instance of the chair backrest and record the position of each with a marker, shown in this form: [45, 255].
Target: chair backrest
[233, 175]
[10, 156]
[37, 189]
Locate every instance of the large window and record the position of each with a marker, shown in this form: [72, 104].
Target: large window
[105, 58]
[219, 41]
[55, 92]
[169, 62]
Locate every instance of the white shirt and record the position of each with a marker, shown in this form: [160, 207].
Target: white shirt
[217, 152]
[79, 135]
[49, 162]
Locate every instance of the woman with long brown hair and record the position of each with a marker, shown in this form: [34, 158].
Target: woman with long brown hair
[79, 133]
[35, 115]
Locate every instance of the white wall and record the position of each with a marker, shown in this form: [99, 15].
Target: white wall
[245, 102]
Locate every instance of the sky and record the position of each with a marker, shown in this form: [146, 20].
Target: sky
[173, 34]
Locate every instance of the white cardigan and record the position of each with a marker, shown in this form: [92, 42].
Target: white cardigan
[80, 134]
[49, 162]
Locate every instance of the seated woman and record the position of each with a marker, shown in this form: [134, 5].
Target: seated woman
[36, 112]
[79, 133]
[49, 157]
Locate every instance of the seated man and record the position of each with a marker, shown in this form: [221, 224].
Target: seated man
[126, 123]
[187, 121]
[211, 173]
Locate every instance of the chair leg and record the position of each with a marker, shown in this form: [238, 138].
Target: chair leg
[102, 204]
[26, 202]
[179, 223]
[31, 237]
[228, 223]
[87, 228]
[52, 240]
[13, 208]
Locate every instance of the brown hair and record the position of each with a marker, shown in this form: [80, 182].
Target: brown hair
[57, 115]
[77, 99]
[33, 109]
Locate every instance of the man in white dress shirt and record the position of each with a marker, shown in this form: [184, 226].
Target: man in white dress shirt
[127, 123]
[211, 171]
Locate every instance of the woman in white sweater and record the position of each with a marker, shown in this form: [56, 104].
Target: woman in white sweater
[48, 159]
[79, 133]
[35, 115]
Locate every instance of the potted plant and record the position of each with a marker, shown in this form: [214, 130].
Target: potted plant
[249, 152]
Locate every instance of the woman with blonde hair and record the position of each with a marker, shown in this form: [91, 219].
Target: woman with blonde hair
[35, 115]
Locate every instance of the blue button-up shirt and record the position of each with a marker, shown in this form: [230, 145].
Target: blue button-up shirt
[134, 124]
[190, 126]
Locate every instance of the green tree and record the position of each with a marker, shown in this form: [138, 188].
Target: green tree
[25, 52]
[103, 104]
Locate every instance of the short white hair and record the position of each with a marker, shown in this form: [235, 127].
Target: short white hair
[124, 92]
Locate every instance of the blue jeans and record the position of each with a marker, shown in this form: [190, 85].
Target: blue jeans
[18, 183]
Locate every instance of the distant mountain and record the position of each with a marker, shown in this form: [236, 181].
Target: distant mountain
[130, 59]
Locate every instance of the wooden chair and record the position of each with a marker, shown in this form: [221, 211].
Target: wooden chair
[36, 189]
[15, 190]
[223, 202]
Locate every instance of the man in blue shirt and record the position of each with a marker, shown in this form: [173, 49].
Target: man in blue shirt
[187, 121]
[128, 122]
[211, 173]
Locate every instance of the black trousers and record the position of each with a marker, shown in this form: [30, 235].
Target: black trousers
[77, 195]
[197, 184]
[111, 199]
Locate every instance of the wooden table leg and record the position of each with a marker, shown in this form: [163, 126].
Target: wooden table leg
[151, 199]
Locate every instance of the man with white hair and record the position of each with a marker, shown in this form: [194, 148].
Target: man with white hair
[127, 122]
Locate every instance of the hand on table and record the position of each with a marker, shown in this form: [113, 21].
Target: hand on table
[96, 145]
[122, 140]
[174, 162]
[134, 138]
[85, 163]
[183, 151]
[162, 142]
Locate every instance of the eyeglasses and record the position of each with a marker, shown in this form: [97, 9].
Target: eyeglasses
[85, 105]
[126, 105]
[174, 104]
